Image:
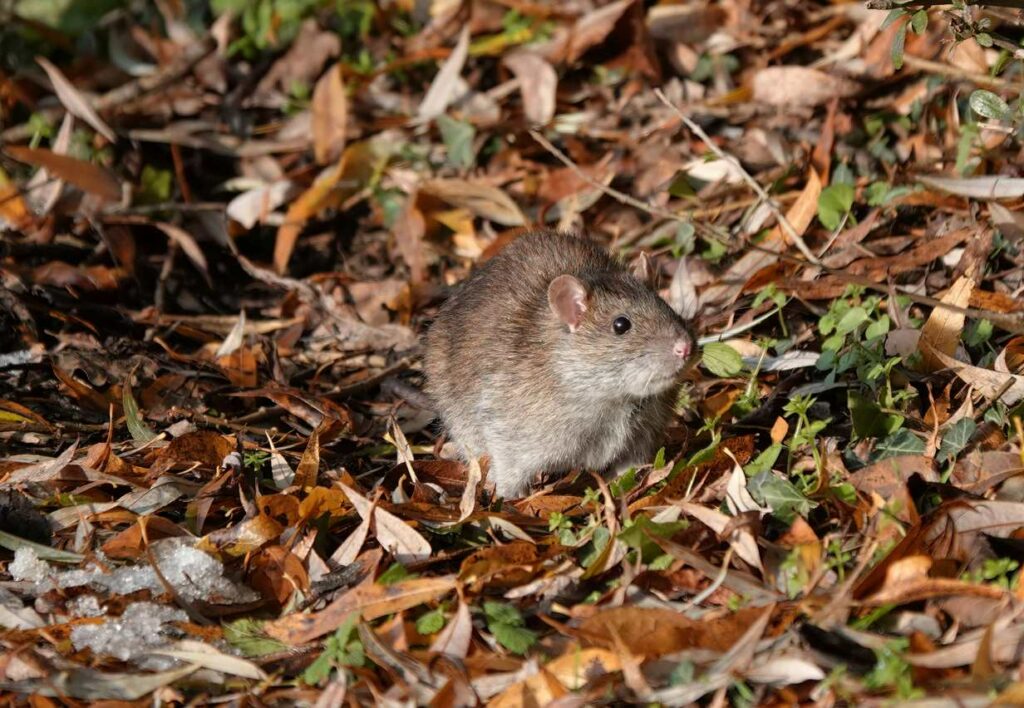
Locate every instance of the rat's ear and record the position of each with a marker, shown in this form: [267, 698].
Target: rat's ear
[643, 270]
[567, 297]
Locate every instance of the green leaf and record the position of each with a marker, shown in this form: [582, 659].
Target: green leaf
[956, 438]
[516, 639]
[593, 550]
[502, 613]
[899, 43]
[834, 203]
[893, 15]
[902, 442]
[635, 535]
[721, 359]
[984, 39]
[780, 494]
[919, 22]
[394, 574]
[458, 138]
[247, 636]
[868, 419]
[680, 186]
[853, 319]
[140, 432]
[989, 105]
[878, 328]
[431, 622]
[765, 461]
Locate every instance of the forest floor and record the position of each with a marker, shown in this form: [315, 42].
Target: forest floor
[226, 225]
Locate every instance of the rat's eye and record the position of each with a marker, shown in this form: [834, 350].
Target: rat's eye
[621, 325]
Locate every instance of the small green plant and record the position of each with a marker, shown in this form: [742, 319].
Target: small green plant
[892, 672]
[256, 460]
[995, 571]
[342, 649]
[508, 627]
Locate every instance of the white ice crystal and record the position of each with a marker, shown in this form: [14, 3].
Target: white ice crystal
[195, 575]
[28, 566]
[142, 627]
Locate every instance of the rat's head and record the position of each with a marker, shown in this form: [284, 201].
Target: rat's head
[623, 339]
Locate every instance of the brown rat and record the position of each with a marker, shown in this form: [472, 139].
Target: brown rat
[553, 356]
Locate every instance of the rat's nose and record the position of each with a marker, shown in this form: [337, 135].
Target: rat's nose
[682, 348]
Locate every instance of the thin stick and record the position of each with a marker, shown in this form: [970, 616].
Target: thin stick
[758, 189]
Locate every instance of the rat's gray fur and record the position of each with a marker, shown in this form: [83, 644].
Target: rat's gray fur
[510, 380]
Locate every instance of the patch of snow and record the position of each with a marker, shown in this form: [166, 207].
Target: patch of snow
[194, 574]
[86, 606]
[142, 627]
[28, 566]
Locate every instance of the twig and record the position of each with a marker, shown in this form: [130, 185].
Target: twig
[758, 189]
[937, 67]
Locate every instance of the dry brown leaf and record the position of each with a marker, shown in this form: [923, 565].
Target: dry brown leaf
[74, 101]
[309, 466]
[398, 537]
[410, 228]
[184, 240]
[442, 90]
[538, 85]
[789, 86]
[591, 29]
[655, 632]
[370, 599]
[941, 333]
[454, 640]
[907, 581]
[330, 116]
[987, 382]
[84, 175]
[481, 199]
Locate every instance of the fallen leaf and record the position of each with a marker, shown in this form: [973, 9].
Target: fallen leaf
[330, 116]
[370, 600]
[443, 88]
[84, 175]
[538, 85]
[789, 86]
[74, 101]
[483, 200]
[941, 332]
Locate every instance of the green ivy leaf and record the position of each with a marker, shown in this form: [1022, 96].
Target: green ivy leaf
[956, 438]
[780, 494]
[902, 442]
[721, 359]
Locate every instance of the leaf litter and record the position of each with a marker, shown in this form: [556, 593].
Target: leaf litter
[226, 225]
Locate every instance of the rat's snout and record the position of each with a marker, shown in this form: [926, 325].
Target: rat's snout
[682, 348]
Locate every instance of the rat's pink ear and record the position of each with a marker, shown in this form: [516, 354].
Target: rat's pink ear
[567, 297]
